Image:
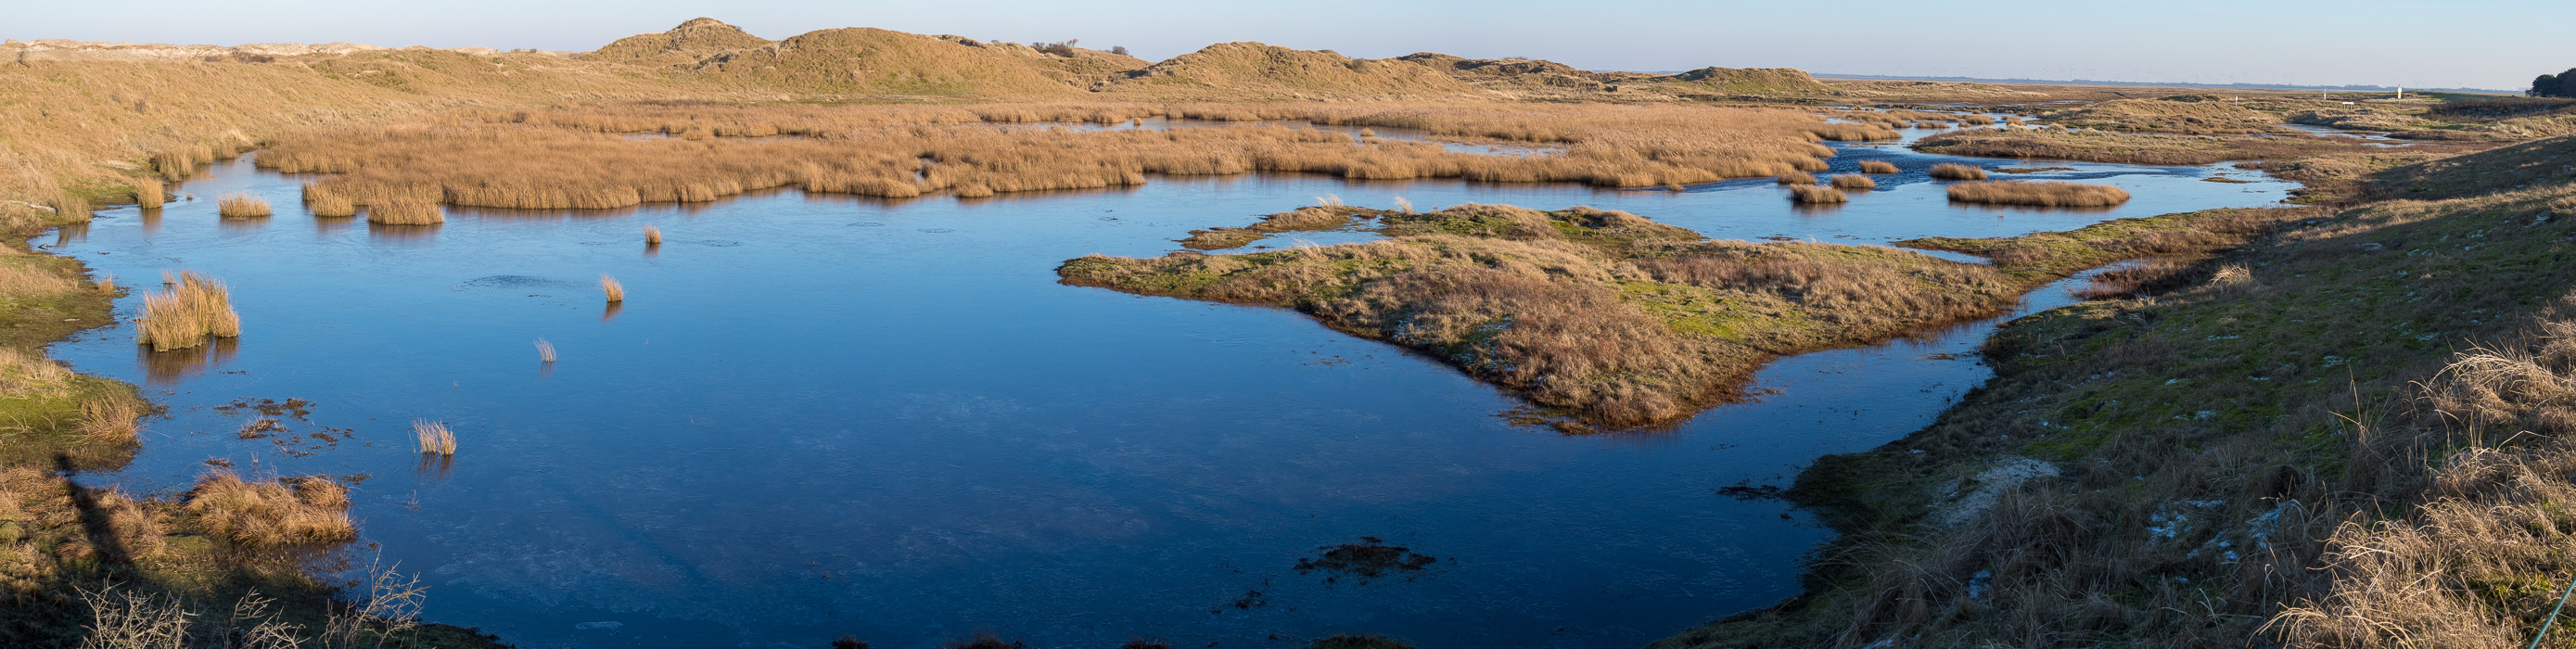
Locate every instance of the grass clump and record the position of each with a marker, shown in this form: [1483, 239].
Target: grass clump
[1854, 181]
[405, 212]
[323, 201]
[433, 437]
[1603, 317]
[1812, 194]
[652, 236]
[545, 351]
[190, 313]
[237, 206]
[1956, 171]
[307, 511]
[1795, 178]
[149, 194]
[1878, 167]
[2042, 194]
[608, 286]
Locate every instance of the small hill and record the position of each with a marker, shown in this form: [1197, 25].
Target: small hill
[697, 38]
[860, 60]
[1074, 66]
[1257, 71]
[1763, 81]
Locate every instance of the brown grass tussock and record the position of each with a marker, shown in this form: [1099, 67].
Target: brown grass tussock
[2042, 194]
[190, 313]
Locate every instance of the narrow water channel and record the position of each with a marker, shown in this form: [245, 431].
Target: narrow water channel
[821, 415]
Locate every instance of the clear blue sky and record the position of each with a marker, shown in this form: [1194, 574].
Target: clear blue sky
[2459, 43]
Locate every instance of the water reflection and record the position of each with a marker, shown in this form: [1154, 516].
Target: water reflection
[71, 233]
[162, 369]
[410, 235]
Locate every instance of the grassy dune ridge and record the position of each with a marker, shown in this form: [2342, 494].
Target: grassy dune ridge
[2337, 436]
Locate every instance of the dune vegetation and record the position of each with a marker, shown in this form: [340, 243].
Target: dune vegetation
[1604, 318]
[2342, 434]
[2042, 194]
[905, 152]
[2147, 148]
[2192, 114]
[2338, 436]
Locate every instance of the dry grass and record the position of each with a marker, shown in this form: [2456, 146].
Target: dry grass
[405, 212]
[552, 160]
[1853, 181]
[1955, 171]
[2149, 149]
[433, 437]
[290, 512]
[1795, 178]
[2043, 194]
[545, 351]
[322, 201]
[235, 206]
[608, 286]
[26, 373]
[2184, 114]
[2479, 562]
[652, 236]
[1813, 194]
[1606, 317]
[189, 314]
[110, 420]
[149, 194]
[1878, 167]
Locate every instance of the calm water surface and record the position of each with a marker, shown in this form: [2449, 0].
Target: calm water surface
[819, 416]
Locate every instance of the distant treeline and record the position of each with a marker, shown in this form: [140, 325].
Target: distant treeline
[2562, 84]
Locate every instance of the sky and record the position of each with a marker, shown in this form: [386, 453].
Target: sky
[2498, 44]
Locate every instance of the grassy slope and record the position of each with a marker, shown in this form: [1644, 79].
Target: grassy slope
[2200, 436]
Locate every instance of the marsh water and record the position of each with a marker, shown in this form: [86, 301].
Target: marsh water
[822, 415]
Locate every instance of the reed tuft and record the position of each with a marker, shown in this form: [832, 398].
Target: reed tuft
[1816, 194]
[545, 351]
[149, 193]
[1854, 181]
[1877, 167]
[2043, 194]
[321, 200]
[652, 236]
[239, 206]
[405, 212]
[1954, 171]
[195, 310]
[433, 437]
[1795, 178]
[616, 292]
